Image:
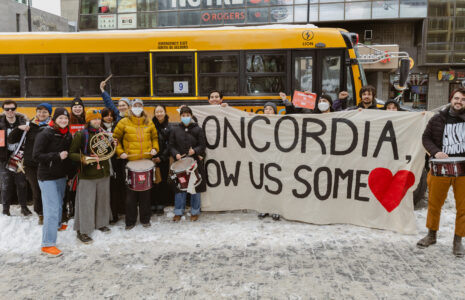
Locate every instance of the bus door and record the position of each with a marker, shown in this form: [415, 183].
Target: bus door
[303, 71]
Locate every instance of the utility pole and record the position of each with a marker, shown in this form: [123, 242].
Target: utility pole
[29, 17]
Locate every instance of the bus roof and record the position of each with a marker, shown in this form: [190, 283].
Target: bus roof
[172, 40]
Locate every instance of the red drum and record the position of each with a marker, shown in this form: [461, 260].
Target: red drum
[448, 167]
[140, 175]
[15, 162]
[182, 170]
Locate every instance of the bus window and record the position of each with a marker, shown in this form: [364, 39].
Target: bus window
[172, 72]
[331, 75]
[43, 76]
[130, 75]
[266, 73]
[9, 76]
[219, 72]
[303, 73]
[85, 72]
[350, 88]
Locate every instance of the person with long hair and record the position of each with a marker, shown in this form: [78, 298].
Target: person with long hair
[137, 140]
[161, 192]
[51, 152]
[123, 104]
[93, 189]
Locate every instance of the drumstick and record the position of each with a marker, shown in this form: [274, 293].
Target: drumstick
[138, 154]
[108, 78]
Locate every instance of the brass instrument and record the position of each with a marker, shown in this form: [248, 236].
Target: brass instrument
[102, 147]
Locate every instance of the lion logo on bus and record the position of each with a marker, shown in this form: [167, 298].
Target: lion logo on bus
[307, 35]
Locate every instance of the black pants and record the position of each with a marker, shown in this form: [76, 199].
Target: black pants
[161, 192]
[118, 188]
[134, 199]
[31, 177]
[12, 184]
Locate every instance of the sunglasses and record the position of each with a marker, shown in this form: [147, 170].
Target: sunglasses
[96, 111]
[10, 109]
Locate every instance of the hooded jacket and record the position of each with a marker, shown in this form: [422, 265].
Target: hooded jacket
[136, 136]
[20, 120]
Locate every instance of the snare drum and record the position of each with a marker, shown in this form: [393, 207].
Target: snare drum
[448, 167]
[140, 175]
[182, 170]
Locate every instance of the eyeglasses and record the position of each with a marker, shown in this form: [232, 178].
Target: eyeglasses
[9, 109]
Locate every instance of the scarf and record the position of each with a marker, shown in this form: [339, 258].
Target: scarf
[86, 137]
[63, 131]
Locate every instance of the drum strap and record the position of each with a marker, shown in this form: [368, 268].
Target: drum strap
[192, 179]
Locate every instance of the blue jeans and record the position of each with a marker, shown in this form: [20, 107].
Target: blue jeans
[180, 203]
[52, 200]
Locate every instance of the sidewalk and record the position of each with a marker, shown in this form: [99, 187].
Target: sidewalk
[232, 255]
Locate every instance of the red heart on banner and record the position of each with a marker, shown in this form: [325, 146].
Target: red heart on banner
[388, 189]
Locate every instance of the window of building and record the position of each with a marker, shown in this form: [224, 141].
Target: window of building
[43, 76]
[386, 9]
[219, 72]
[265, 73]
[9, 76]
[174, 74]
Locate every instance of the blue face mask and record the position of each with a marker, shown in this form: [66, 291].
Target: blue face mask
[186, 120]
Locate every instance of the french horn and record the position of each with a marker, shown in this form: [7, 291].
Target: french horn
[101, 146]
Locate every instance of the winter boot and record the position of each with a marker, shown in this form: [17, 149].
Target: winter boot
[25, 211]
[129, 227]
[146, 225]
[275, 217]
[428, 240]
[104, 229]
[41, 220]
[457, 249]
[176, 218]
[194, 218]
[51, 251]
[84, 238]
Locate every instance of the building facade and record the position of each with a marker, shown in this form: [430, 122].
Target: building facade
[431, 31]
[14, 18]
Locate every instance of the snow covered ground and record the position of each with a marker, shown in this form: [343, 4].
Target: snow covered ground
[231, 255]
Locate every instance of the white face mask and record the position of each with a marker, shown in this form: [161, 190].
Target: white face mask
[137, 111]
[323, 106]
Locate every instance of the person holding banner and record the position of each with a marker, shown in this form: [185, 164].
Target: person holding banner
[216, 98]
[40, 121]
[444, 137]
[123, 104]
[93, 189]
[137, 140]
[325, 105]
[392, 105]
[368, 96]
[51, 152]
[341, 102]
[13, 183]
[187, 139]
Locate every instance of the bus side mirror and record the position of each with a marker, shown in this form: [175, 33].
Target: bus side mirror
[404, 69]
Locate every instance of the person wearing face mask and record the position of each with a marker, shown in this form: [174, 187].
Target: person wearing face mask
[443, 138]
[93, 190]
[137, 139]
[325, 105]
[187, 139]
[40, 121]
[51, 152]
[123, 104]
[117, 173]
[161, 195]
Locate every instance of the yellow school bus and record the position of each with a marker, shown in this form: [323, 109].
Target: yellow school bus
[250, 65]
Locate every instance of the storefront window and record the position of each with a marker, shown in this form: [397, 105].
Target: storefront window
[107, 6]
[146, 5]
[440, 8]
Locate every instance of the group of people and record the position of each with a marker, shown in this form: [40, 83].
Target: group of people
[67, 180]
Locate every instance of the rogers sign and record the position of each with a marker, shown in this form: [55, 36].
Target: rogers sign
[197, 3]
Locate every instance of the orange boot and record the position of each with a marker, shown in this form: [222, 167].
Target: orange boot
[63, 227]
[51, 251]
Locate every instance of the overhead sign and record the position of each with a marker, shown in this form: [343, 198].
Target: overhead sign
[451, 75]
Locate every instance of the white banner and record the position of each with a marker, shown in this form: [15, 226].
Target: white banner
[355, 167]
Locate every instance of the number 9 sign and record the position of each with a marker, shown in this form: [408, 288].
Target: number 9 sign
[181, 87]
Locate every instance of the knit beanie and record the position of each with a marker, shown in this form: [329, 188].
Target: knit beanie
[137, 101]
[45, 105]
[77, 101]
[93, 114]
[273, 106]
[60, 111]
[128, 102]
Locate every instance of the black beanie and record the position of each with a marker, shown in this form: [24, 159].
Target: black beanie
[77, 101]
[60, 111]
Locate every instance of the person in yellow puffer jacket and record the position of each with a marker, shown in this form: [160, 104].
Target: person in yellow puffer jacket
[137, 139]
